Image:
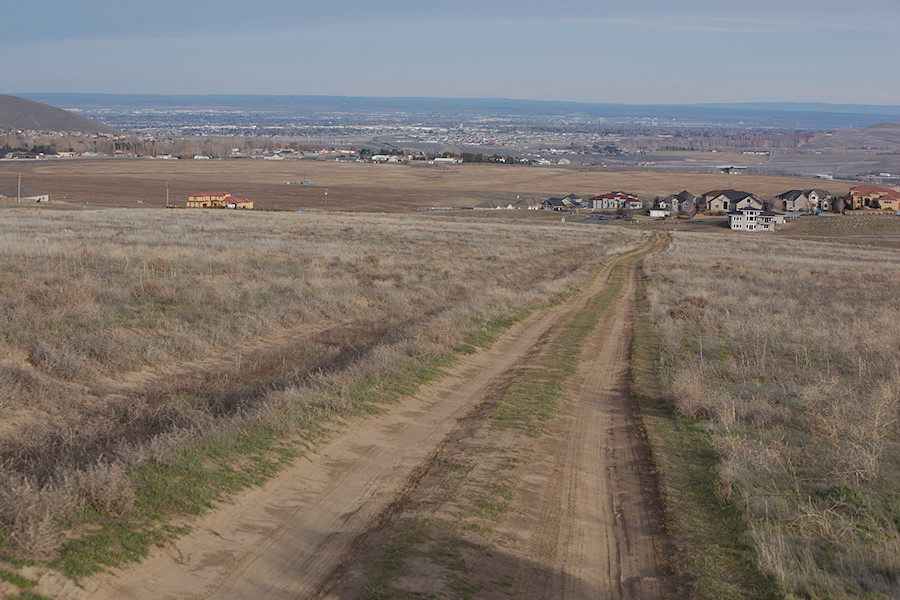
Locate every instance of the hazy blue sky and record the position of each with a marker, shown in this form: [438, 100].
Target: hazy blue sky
[642, 51]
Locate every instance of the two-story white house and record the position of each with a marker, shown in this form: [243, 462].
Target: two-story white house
[754, 219]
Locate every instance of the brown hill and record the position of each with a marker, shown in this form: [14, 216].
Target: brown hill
[884, 137]
[19, 113]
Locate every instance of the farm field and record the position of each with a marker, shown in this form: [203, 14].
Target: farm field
[357, 186]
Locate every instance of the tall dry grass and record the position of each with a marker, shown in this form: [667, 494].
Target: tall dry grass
[788, 349]
[125, 333]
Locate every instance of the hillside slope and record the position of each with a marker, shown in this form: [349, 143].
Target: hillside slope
[19, 113]
[884, 137]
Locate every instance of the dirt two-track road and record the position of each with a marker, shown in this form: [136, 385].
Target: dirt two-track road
[584, 524]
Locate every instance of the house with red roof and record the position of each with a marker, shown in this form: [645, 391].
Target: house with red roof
[873, 196]
[615, 201]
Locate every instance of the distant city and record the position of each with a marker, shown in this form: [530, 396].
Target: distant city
[768, 138]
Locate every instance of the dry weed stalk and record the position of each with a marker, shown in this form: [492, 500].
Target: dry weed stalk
[128, 332]
[792, 359]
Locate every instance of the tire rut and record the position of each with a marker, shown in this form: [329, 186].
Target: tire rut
[293, 536]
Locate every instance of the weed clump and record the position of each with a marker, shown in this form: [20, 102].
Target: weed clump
[786, 354]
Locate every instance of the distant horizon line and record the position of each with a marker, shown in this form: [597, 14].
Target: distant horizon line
[757, 103]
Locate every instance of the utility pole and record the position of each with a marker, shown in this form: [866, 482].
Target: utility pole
[19, 190]
[167, 194]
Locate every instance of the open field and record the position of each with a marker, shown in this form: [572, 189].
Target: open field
[327, 527]
[156, 361]
[782, 352]
[724, 158]
[358, 186]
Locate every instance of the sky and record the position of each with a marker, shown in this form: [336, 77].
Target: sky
[635, 52]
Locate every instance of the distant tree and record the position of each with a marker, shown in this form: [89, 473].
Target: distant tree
[839, 205]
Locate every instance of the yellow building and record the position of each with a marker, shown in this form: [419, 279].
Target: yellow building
[867, 196]
[205, 200]
[218, 200]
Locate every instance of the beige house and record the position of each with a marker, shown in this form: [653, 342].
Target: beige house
[868, 196]
[805, 200]
[720, 201]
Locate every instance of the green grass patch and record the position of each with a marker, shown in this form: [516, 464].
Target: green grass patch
[392, 564]
[29, 595]
[18, 580]
[538, 393]
[481, 333]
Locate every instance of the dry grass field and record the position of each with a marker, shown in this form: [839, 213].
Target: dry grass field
[786, 349]
[357, 186]
[127, 336]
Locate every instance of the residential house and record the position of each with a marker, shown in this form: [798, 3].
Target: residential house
[683, 202]
[239, 203]
[754, 219]
[494, 205]
[554, 204]
[867, 196]
[719, 201]
[217, 200]
[527, 204]
[805, 200]
[615, 201]
[205, 199]
[567, 202]
[749, 202]
[890, 201]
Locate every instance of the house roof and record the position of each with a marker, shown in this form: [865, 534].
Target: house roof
[220, 193]
[732, 195]
[791, 194]
[492, 204]
[866, 189]
[615, 196]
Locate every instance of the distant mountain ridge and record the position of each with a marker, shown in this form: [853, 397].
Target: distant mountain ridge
[20, 113]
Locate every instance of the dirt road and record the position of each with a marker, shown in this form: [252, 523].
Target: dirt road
[584, 525]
